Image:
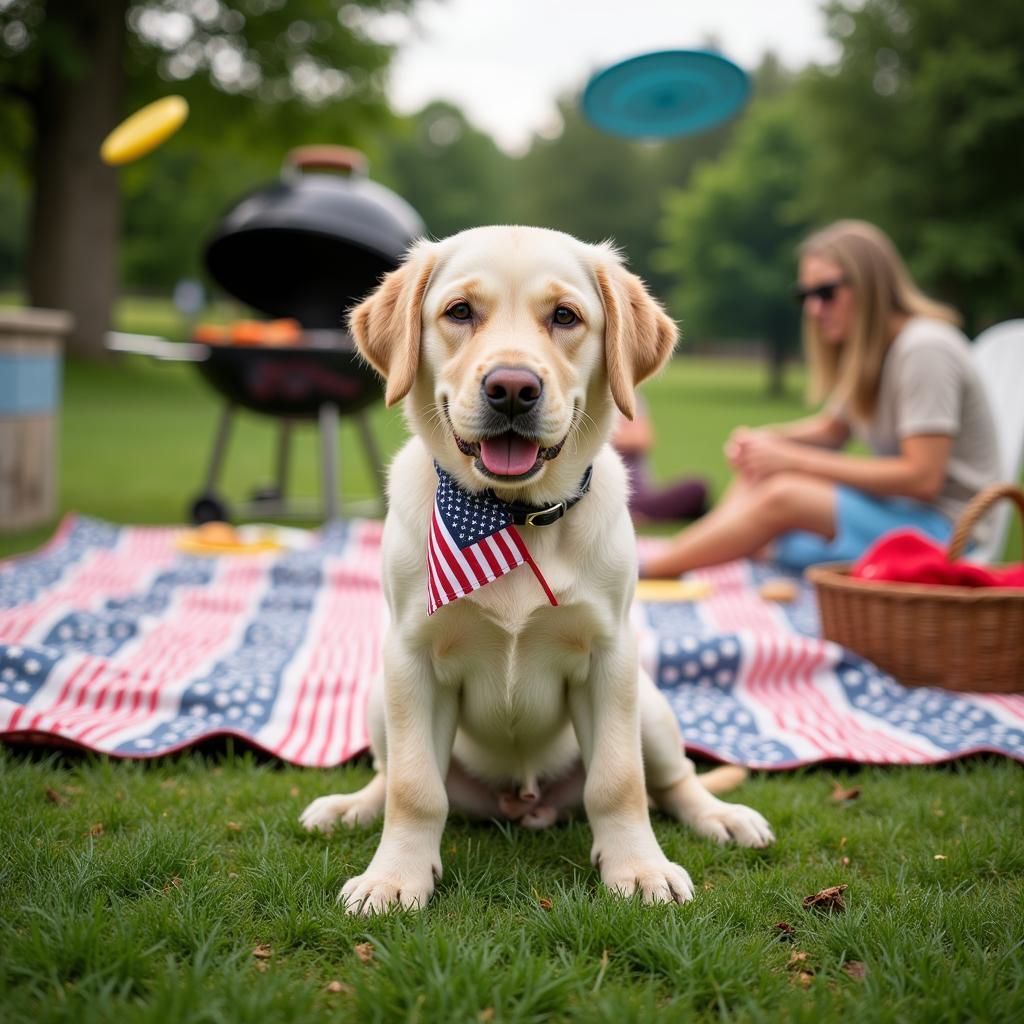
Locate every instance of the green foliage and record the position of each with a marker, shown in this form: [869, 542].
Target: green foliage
[173, 200]
[592, 185]
[452, 174]
[260, 77]
[598, 186]
[921, 129]
[730, 236]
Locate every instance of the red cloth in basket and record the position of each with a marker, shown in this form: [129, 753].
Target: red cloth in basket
[907, 556]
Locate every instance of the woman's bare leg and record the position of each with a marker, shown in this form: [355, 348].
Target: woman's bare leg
[749, 516]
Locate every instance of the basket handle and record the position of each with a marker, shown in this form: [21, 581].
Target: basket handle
[975, 509]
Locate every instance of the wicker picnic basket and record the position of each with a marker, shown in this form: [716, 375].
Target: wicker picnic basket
[957, 638]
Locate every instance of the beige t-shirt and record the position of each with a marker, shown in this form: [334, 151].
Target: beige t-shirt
[929, 386]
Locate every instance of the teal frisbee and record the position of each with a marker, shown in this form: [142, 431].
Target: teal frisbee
[666, 93]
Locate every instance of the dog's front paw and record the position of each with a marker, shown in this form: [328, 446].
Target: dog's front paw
[657, 879]
[351, 809]
[734, 823]
[380, 889]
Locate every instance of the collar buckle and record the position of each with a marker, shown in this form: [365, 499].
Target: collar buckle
[546, 516]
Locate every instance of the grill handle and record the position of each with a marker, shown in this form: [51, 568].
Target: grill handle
[156, 347]
[327, 157]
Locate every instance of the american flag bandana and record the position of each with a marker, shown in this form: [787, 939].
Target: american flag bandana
[472, 541]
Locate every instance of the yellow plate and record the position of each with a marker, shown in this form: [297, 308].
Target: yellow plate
[673, 590]
[193, 546]
[144, 130]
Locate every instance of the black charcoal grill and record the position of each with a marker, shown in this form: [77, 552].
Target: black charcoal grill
[303, 248]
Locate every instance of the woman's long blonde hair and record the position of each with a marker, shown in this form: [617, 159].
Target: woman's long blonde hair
[849, 374]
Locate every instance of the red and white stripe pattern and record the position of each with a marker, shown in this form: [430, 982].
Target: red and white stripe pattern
[472, 541]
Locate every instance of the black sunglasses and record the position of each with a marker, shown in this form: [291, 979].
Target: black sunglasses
[825, 292]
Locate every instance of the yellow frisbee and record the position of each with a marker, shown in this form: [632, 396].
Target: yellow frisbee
[144, 130]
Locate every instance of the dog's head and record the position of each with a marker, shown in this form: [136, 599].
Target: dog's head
[512, 343]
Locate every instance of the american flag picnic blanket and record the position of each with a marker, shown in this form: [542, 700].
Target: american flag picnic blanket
[114, 640]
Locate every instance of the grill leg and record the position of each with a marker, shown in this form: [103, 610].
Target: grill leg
[372, 450]
[220, 445]
[284, 442]
[329, 459]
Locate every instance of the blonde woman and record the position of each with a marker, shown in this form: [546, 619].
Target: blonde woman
[893, 371]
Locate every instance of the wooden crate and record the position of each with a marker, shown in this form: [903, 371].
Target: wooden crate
[31, 354]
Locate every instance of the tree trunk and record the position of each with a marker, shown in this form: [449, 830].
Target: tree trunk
[75, 220]
[776, 367]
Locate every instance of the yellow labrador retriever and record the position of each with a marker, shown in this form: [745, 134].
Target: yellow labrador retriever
[511, 687]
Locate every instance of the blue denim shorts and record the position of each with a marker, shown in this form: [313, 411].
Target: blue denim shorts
[860, 520]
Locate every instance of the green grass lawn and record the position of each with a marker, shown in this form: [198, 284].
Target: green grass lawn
[139, 892]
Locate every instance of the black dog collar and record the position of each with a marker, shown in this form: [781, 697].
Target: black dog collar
[544, 515]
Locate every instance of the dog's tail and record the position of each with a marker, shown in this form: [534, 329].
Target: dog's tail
[723, 778]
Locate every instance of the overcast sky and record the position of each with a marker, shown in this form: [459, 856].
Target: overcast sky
[504, 62]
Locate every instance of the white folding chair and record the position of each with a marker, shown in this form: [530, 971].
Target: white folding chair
[999, 358]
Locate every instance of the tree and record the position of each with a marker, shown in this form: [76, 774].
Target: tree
[78, 66]
[599, 186]
[920, 128]
[452, 174]
[730, 238]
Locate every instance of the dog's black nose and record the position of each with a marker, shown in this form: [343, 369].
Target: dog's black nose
[512, 390]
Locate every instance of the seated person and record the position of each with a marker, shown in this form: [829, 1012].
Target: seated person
[683, 499]
[894, 371]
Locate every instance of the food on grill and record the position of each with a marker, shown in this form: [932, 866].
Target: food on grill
[144, 130]
[285, 331]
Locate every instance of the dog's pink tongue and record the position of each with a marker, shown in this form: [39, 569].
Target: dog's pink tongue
[509, 454]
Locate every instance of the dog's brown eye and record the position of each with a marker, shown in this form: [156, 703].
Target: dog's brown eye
[459, 311]
[565, 317]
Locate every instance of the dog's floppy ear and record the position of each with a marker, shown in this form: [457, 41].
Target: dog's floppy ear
[386, 325]
[638, 335]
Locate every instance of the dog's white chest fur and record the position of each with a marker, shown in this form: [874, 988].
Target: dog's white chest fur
[513, 679]
[510, 655]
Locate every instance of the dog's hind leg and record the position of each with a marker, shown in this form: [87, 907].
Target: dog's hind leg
[362, 807]
[678, 791]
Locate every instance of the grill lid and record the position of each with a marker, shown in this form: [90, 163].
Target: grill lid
[311, 244]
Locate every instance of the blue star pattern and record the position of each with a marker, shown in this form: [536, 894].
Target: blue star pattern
[698, 672]
[951, 721]
[22, 579]
[469, 517]
[23, 669]
[240, 691]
